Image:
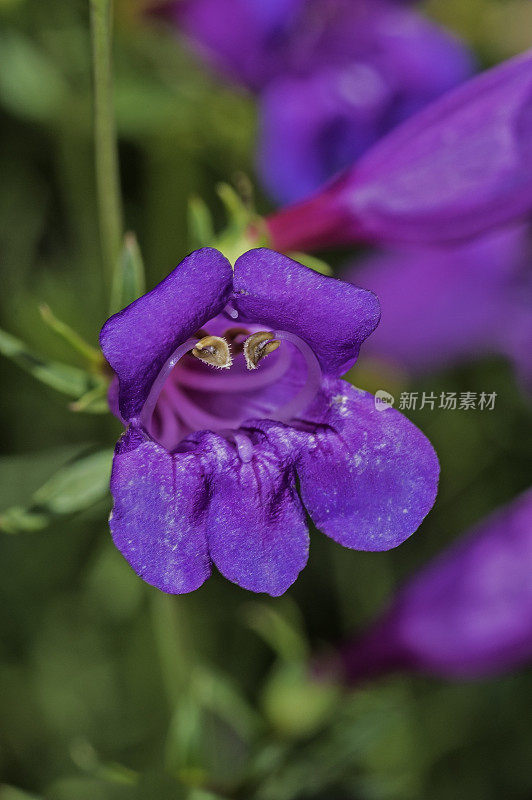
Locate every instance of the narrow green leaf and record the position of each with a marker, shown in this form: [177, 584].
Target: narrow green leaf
[12, 793]
[312, 262]
[182, 752]
[63, 378]
[31, 85]
[93, 402]
[218, 694]
[129, 281]
[78, 485]
[200, 225]
[239, 215]
[72, 337]
[75, 487]
[22, 520]
[277, 630]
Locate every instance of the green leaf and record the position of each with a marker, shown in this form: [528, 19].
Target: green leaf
[129, 281]
[75, 487]
[72, 337]
[282, 634]
[94, 401]
[218, 694]
[11, 793]
[63, 378]
[200, 225]
[312, 263]
[240, 214]
[31, 86]
[78, 485]
[22, 520]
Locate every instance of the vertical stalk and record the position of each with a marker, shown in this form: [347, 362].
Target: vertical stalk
[106, 151]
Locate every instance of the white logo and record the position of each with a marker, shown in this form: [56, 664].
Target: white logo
[383, 400]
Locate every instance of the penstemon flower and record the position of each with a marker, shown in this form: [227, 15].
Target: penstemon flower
[331, 76]
[380, 65]
[461, 166]
[229, 384]
[467, 614]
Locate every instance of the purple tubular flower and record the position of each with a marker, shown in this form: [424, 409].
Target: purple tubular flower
[332, 76]
[375, 68]
[228, 383]
[441, 306]
[456, 169]
[466, 615]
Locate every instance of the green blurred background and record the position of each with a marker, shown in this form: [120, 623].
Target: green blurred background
[109, 689]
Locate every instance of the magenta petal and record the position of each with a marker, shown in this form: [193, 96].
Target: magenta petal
[138, 340]
[458, 168]
[375, 67]
[368, 477]
[158, 517]
[256, 526]
[333, 317]
[467, 614]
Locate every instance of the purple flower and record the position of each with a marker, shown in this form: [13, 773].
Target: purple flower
[467, 614]
[461, 166]
[229, 385]
[333, 76]
[441, 306]
[382, 64]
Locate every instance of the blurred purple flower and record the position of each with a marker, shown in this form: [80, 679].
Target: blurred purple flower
[454, 170]
[383, 64]
[442, 306]
[465, 615]
[206, 470]
[333, 76]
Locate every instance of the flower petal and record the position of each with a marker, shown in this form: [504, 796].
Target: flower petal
[138, 340]
[467, 614]
[368, 477]
[256, 526]
[459, 167]
[333, 317]
[158, 518]
[375, 67]
[454, 170]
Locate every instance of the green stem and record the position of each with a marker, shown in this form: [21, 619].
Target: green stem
[106, 151]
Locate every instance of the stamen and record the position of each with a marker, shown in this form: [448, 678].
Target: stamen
[257, 346]
[213, 350]
[241, 382]
[155, 391]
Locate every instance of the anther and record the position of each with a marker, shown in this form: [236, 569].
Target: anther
[213, 350]
[259, 345]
